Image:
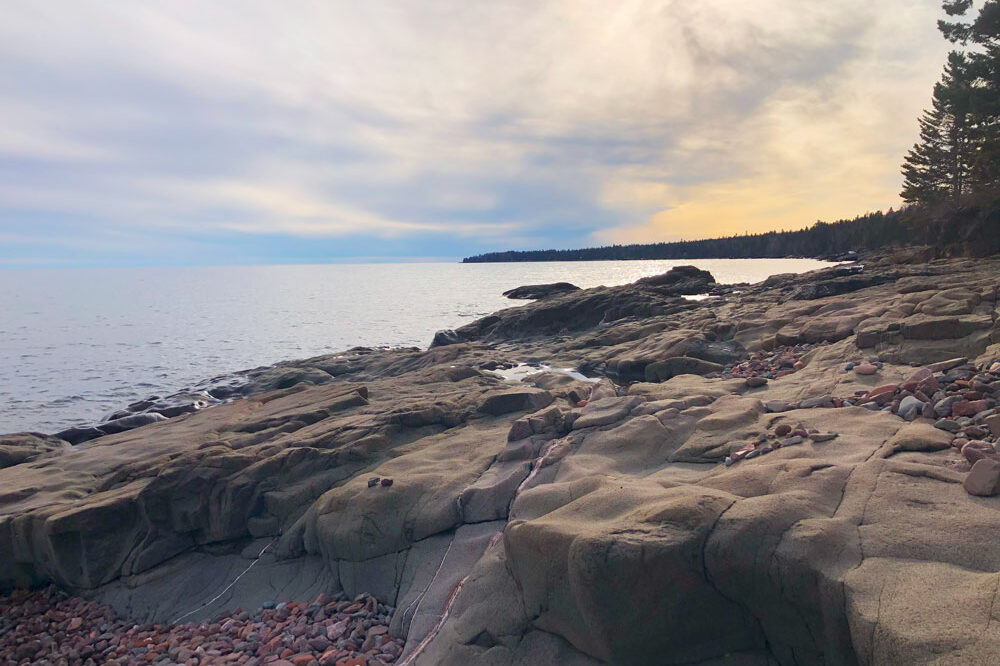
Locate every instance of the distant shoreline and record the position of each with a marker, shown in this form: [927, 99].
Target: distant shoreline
[834, 241]
[488, 259]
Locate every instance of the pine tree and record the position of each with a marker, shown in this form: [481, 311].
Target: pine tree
[983, 92]
[937, 167]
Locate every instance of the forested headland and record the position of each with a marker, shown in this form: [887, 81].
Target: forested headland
[951, 175]
[822, 239]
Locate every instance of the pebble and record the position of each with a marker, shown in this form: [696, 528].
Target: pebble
[910, 408]
[977, 450]
[943, 407]
[50, 627]
[948, 425]
[823, 436]
[974, 432]
[827, 401]
[779, 362]
[884, 392]
[372, 482]
[969, 407]
[865, 369]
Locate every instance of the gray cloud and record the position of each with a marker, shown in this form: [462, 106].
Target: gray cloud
[554, 123]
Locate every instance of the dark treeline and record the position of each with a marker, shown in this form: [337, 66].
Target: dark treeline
[951, 175]
[867, 231]
[972, 229]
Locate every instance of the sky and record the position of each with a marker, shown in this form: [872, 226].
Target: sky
[300, 131]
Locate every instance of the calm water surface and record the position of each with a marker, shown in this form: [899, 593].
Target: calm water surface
[76, 344]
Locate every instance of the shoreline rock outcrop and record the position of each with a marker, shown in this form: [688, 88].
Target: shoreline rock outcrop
[539, 291]
[773, 477]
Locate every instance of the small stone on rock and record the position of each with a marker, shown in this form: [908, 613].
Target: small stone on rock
[977, 450]
[984, 479]
[948, 425]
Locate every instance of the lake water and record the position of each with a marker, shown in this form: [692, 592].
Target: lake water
[76, 344]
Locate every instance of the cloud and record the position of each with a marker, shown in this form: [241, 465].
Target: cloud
[169, 130]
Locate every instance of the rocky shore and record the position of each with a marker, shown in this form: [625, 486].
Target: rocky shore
[802, 471]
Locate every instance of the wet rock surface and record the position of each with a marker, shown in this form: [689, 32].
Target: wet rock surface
[773, 476]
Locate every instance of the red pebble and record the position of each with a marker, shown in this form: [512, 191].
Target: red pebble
[968, 407]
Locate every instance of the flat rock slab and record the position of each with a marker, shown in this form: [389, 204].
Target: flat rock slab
[920, 437]
[182, 588]
[604, 412]
[467, 547]
[516, 400]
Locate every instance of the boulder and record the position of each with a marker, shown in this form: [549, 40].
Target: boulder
[539, 291]
[843, 284]
[129, 422]
[24, 447]
[681, 280]
[79, 434]
[984, 478]
[446, 337]
[679, 365]
[584, 309]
